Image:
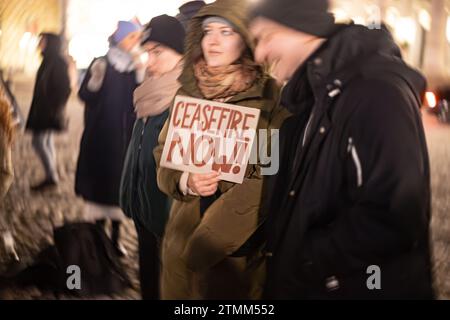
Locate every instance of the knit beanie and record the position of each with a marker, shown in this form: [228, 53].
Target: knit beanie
[124, 28]
[188, 11]
[216, 19]
[167, 31]
[308, 16]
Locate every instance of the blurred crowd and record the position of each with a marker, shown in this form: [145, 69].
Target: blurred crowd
[352, 190]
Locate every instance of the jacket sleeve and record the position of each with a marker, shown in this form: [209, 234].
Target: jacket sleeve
[168, 179]
[389, 187]
[235, 216]
[87, 93]
[126, 180]
[6, 167]
[226, 226]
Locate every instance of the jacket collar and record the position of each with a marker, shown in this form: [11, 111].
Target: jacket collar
[346, 53]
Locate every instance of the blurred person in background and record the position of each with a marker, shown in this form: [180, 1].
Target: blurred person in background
[141, 199]
[47, 113]
[6, 168]
[107, 91]
[349, 215]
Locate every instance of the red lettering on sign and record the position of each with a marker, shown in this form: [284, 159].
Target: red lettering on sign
[176, 122]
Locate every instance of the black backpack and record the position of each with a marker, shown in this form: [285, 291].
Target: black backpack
[86, 247]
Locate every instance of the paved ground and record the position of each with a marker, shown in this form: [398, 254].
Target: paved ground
[32, 215]
[438, 137]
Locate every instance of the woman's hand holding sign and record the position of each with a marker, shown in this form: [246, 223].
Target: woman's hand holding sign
[204, 185]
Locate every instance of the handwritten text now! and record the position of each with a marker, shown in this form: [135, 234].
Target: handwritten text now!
[206, 136]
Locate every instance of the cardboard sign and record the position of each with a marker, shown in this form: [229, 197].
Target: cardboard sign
[206, 136]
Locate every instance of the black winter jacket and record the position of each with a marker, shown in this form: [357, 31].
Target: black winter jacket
[51, 91]
[140, 197]
[354, 191]
[109, 118]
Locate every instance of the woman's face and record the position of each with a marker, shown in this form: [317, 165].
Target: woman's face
[161, 59]
[221, 45]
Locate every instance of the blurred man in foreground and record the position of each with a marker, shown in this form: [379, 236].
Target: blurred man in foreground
[350, 207]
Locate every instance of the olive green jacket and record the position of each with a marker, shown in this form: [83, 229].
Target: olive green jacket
[196, 250]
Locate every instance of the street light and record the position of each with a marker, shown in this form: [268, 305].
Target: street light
[25, 40]
[425, 19]
[392, 15]
[448, 29]
[405, 30]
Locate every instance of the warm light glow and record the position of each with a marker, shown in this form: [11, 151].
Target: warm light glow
[425, 19]
[359, 20]
[340, 15]
[430, 99]
[25, 41]
[392, 16]
[448, 29]
[405, 30]
[91, 22]
[84, 47]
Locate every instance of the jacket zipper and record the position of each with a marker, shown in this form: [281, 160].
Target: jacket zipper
[138, 192]
[305, 135]
[141, 138]
[352, 149]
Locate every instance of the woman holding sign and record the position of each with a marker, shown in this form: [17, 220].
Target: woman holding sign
[212, 220]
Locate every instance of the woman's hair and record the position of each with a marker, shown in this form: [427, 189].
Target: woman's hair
[6, 121]
[54, 43]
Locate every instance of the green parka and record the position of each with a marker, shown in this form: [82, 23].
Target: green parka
[196, 250]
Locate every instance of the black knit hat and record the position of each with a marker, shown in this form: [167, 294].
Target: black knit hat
[308, 16]
[188, 11]
[167, 31]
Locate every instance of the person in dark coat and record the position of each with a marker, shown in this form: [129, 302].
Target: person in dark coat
[107, 91]
[47, 112]
[140, 196]
[350, 207]
[188, 10]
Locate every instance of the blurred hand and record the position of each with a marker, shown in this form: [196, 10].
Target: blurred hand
[98, 71]
[204, 185]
